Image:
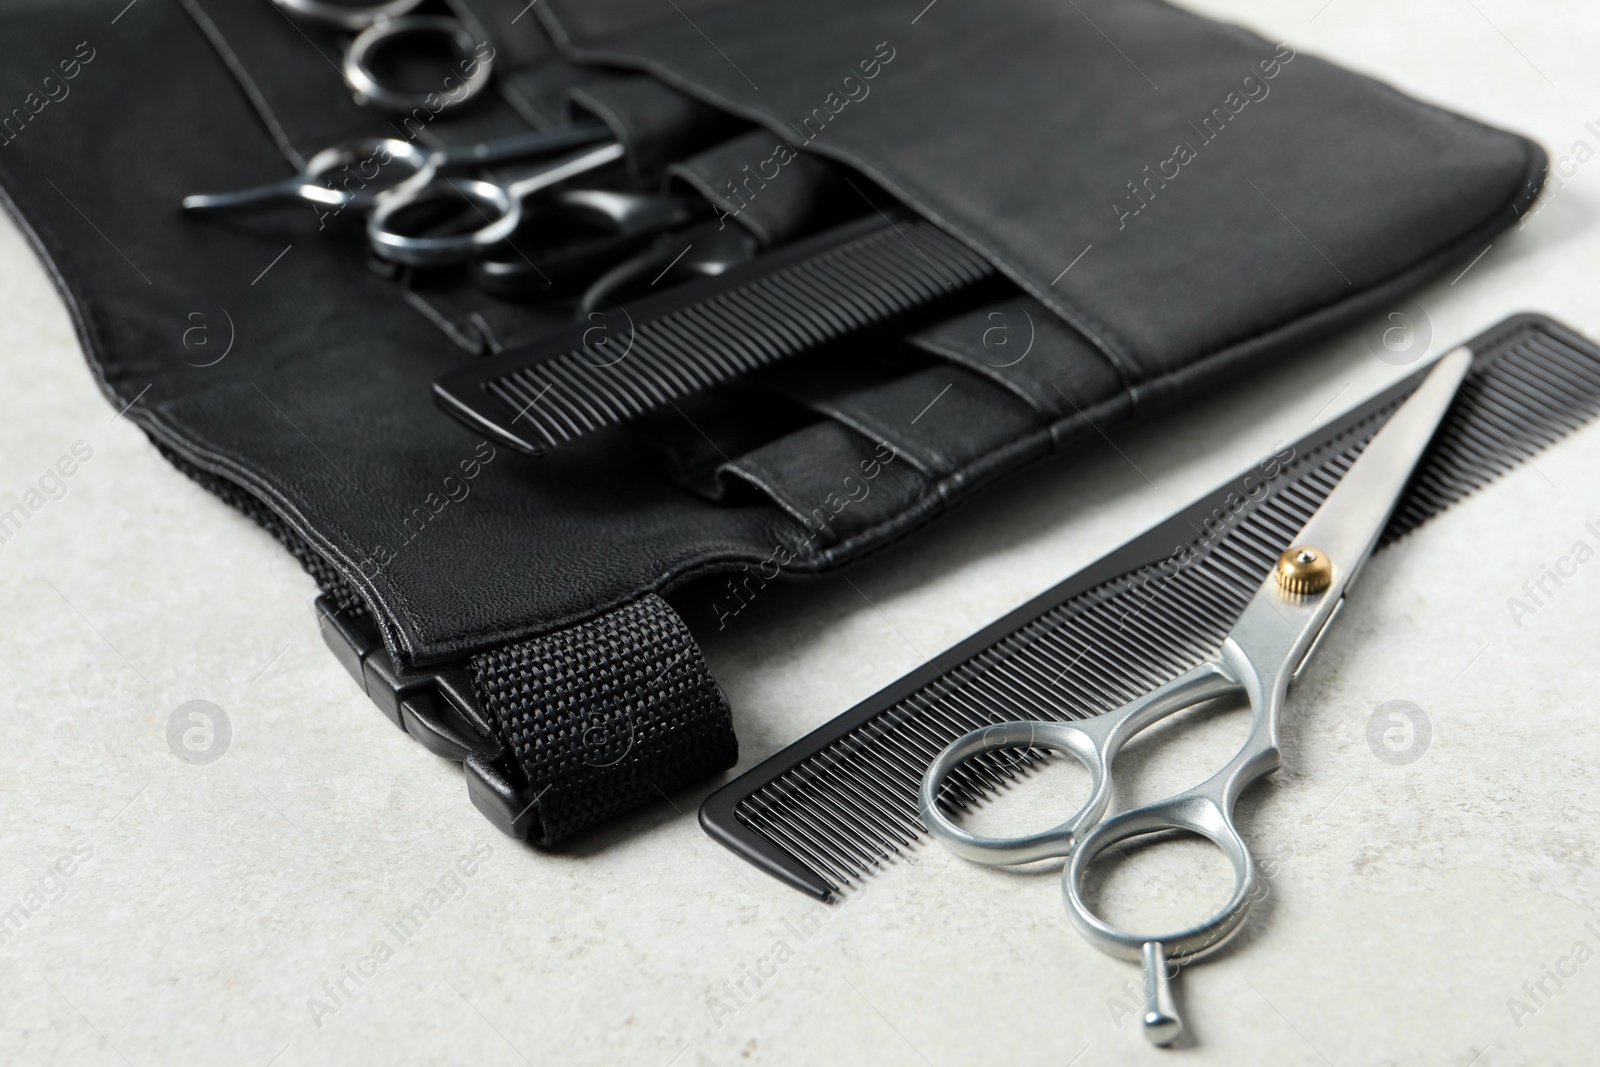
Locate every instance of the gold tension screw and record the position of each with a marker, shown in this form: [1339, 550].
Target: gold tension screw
[1304, 570]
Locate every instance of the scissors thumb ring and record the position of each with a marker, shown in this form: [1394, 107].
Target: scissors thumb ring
[1057, 841]
[1194, 812]
[364, 58]
[488, 199]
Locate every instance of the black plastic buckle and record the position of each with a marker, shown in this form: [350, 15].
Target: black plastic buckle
[439, 710]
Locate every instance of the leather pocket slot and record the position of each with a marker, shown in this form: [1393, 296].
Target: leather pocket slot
[897, 426]
[1023, 347]
[832, 481]
[942, 418]
[693, 439]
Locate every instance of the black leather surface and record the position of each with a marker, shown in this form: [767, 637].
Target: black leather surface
[1019, 344]
[755, 181]
[321, 407]
[833, 482]
[939, 418]
[1021, 127]
[520, 41]
[657, 125]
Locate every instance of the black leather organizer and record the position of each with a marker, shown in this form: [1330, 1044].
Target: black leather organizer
[1004, 234]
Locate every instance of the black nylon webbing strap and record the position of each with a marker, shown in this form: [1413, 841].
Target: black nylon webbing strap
[607, 715]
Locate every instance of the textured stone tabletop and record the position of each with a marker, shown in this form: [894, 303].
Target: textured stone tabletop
[323, 893]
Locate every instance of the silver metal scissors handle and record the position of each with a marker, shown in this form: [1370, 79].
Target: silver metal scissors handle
[353, 17]
[356, 173]
[1267, 648]
[500, 205]
[386, 25]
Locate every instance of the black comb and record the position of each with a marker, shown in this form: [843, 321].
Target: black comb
[842, 801]
[653, 352]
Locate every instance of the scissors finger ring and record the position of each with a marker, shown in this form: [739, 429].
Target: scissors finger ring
[356, 173]
[385, 29]
[498, 206]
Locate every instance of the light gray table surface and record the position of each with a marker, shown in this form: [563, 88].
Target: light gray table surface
[1443, 910]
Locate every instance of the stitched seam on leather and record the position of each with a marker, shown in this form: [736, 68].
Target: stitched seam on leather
[252, 92]
[959, 359]
[1087, 325]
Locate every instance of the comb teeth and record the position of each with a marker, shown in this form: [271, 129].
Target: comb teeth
[827, 813]
[838, 810]
[676, 344]
[1540, 388]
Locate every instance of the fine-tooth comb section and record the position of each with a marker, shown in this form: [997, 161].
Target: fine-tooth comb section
[1088, 656]
[842, 802]
[620, 365]
[1543, 386]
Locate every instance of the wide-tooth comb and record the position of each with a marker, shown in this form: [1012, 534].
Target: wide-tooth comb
[662, 348]
[841, 802]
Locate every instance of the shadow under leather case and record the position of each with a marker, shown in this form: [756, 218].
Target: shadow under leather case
[1169, 201]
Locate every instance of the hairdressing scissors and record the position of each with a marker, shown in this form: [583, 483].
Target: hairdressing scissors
[1267, 649]
[499, 207]
[356, 173]
[383, 30]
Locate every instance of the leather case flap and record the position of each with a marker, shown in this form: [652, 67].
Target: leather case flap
[1170, 186]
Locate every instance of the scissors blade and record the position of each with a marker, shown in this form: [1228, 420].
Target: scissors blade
[1346, 528]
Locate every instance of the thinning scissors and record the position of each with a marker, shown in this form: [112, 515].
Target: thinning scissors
[356, 173]
[386, 26]
[1267, 648]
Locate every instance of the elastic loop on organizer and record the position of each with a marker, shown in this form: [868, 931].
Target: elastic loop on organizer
[607, 715]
